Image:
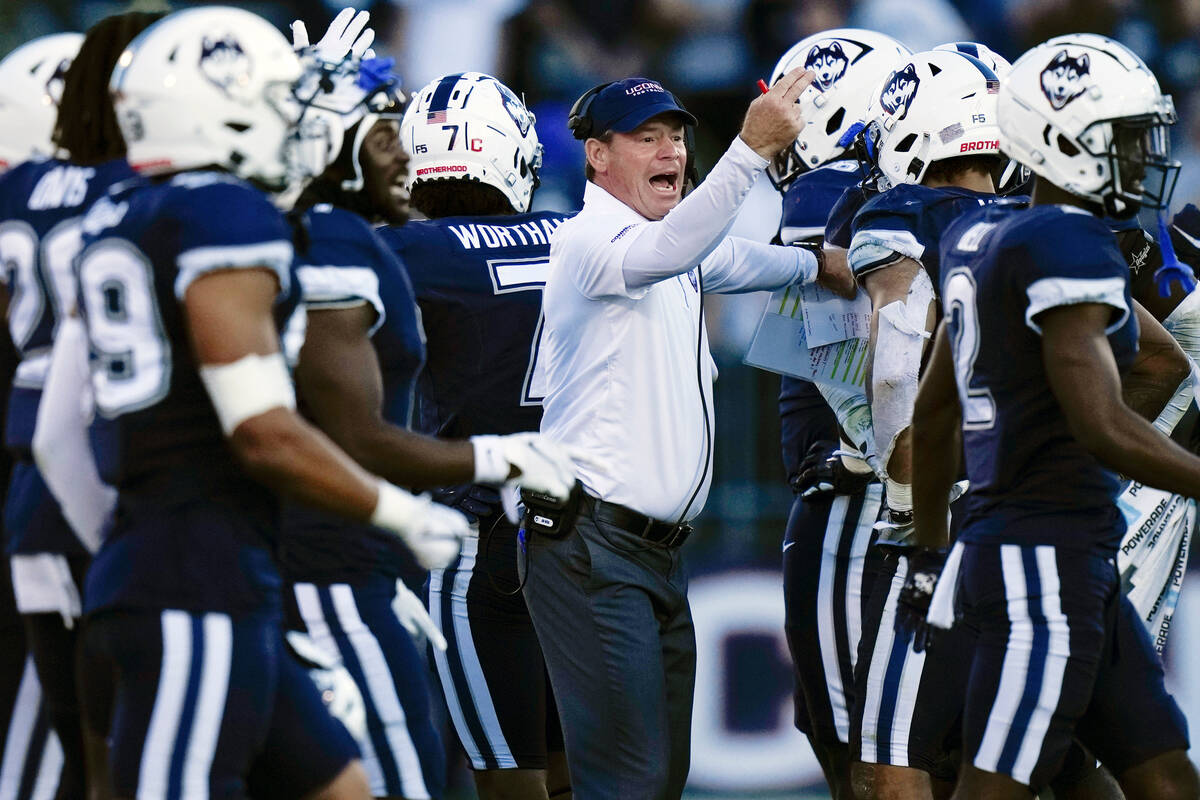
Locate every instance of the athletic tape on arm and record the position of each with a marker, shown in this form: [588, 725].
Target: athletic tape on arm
[250, 386]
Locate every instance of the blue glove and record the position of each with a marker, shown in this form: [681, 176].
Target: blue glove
[1172, 269]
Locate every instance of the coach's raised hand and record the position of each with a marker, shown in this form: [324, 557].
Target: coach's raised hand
[773, 120]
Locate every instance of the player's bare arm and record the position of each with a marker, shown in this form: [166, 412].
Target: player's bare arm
[1159, 369]
[1083, 374]
[339, 382]
[229, 318]
[937, 444]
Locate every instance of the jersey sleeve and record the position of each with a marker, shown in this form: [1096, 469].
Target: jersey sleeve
[348, 275]
[883, 232]
[1070, 258]
[226, 224]
[839, 226]
[807, 202]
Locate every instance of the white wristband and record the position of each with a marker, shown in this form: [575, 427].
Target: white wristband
[394, 508]
[491, 465]
[250, 386]
[899, 495]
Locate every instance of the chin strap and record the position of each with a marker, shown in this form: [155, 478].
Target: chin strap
[1172, 269]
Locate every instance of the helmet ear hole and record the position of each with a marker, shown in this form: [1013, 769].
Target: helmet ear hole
[1066, 148]
[835, 121]
[906, 143]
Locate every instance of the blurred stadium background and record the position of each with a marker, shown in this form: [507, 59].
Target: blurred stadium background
[710, 52]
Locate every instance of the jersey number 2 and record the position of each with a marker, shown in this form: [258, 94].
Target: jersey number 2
[978, 406]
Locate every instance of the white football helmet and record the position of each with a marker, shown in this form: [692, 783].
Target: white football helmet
[849, 64]
[472, 126]
[940, 104]
[31, 84]
[215, 86]
[1088, 115]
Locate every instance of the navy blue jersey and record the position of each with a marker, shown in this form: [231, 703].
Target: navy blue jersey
[40, 206]
[839, 224]
[340, 261]
[1031, 481]
[907, 221]
[192, 531]
[479, 284]
[804, 417]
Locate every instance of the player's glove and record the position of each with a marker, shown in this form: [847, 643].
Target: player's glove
[336, 686]
[432, 531]
[411, 612]
[912, 606]
[540, 465]
[347, 34]
[822, 471]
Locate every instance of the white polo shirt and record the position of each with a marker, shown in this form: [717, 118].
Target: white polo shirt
[619, 342]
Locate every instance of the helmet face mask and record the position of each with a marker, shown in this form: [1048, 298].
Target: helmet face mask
[849, 63]
[1085, 113]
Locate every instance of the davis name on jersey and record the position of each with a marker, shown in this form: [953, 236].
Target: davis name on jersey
[907, 221]
[41, 205]
[1030, 478]
[478, 281]
[192, 531]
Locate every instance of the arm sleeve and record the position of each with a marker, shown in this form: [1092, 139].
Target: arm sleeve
[60, 439]
[743, 265]
[645, 253]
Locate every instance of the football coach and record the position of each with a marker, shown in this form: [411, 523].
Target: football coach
[629, 389]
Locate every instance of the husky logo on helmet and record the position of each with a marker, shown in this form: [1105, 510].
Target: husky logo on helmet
[515, 108]
[1063, 79]
[224, 62]
[828, 60]
[899, 91]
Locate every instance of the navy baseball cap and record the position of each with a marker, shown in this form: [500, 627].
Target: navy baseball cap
[623, 105]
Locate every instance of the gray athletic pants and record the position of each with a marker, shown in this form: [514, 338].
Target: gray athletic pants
[611, 612]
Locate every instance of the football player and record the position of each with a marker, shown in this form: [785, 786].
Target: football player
[363, 348]
[185, 285]
[931, 140]
[41, 203]
[478, 265]
[837, 498]
[908, 705]
[1031, 383]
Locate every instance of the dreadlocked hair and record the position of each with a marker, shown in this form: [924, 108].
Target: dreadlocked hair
[457, 197]
[87, 125]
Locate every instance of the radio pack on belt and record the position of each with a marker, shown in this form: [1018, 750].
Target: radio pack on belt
[546, 516]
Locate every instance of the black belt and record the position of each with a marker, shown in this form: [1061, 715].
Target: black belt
[665, 533]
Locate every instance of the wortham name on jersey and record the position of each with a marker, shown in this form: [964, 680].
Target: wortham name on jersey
[475, 235]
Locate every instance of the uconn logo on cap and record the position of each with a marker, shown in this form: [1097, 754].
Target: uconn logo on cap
[224, 63]
[898, 93]
[828, 60]
[1064, 78]
[644, 87]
